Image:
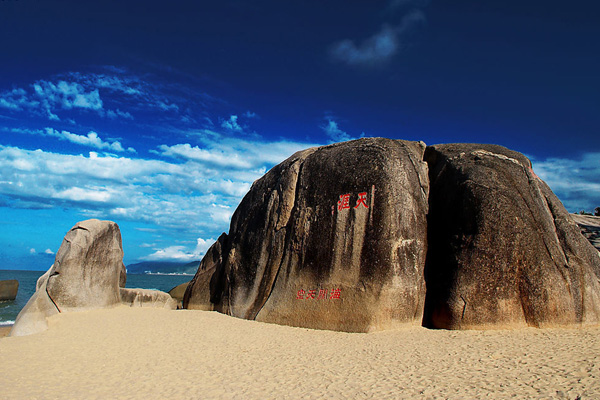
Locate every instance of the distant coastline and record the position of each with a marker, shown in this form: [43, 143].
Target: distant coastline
[165, 273]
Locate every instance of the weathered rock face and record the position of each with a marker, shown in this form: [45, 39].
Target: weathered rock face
[205, 290]
[9, 289]
[503, 251]
[332, 238]
[88, 267]
[87, 273]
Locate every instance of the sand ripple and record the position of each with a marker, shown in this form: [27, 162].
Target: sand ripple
[140, 353]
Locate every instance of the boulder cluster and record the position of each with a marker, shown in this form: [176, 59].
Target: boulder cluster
[365, 235]
[87, 273]
[375, 233]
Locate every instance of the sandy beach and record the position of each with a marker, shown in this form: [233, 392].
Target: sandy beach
[137, 353]
[5, 330]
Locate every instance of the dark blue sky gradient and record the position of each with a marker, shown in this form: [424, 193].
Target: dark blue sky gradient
[523, 74]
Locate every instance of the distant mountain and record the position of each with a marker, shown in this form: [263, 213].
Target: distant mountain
[163, 267]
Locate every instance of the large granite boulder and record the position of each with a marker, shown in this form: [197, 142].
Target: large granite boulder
[87, 273]
[334, 237]
[503, 251]
[9, 289]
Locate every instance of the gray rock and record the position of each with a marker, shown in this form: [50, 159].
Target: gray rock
[33, 317]
[9, 289]
[503, 251]
[345, 220]
[87, 274]
[147, 298]
[205, 290]
[178, 292]
[88, 267]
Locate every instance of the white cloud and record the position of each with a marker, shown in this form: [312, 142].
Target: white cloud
[232, 124]
[49, 252]
[114, 114]
[91, 140]
[250, 114]
[32, 251]
[202, 245]
[65, 95]
[180, 253]
[576, 181]
[79, 92]
[211, 156]
[193, 194]
[380, 47]
[129, 86]
[333, 131]
[15, 100]
[234, 153]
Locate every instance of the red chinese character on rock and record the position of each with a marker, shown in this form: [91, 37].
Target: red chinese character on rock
[311, 294]
[300, 295]
[362, 197]
[322, 294]
[344, 202]
[335, 294]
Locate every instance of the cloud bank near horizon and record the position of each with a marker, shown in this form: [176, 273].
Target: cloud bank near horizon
[180, 172]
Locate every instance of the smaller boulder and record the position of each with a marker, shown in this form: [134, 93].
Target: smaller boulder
[147, 298]
[9, 289]
[88, 273]
[178, 292]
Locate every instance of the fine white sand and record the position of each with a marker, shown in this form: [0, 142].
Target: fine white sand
[143, 353]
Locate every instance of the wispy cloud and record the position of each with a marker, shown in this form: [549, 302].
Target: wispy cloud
[232, 124]
[105, 94]
[92, 139]
[201, 189]
[65, 95]
[217, 150]
[379, 48]
[216, 157]
[16, 100]
[181, 253]
[333, 131]
[576, 181]
[191, 174]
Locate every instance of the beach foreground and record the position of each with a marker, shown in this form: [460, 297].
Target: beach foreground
[144, 353]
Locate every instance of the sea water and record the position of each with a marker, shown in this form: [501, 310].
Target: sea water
[28, 279]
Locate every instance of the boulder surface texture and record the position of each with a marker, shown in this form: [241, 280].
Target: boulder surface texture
[503, 251]
[350, 237]
[332, 238]
[9, 289]
[147, 298]
[87, 273]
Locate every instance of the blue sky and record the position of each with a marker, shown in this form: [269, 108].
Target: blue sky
[160, 115]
